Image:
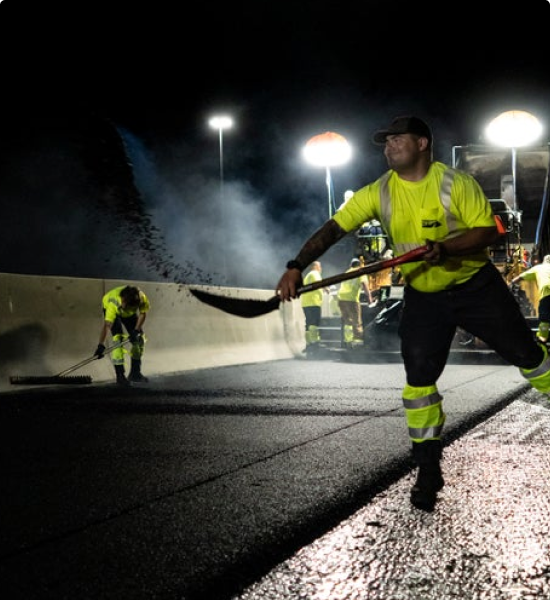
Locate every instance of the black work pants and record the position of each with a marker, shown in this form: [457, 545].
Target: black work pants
[544, 309]
[129, 324]
[483, 306]
[313, 316]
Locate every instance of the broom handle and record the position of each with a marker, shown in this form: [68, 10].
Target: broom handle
[411, 256]
[91, 359]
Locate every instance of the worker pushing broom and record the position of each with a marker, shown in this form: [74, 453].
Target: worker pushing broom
[124, 306]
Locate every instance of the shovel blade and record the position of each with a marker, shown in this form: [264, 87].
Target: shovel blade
[254, 308]
[241, 307]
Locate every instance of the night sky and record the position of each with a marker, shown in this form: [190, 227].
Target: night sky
[108, 167]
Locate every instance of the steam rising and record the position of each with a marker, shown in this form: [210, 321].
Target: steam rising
[229, 242]
[82, 198]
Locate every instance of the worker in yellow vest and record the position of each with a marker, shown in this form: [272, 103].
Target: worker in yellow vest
[125, 306]
[349, 302]
[422, 202]
[312, 303]
[541, 275]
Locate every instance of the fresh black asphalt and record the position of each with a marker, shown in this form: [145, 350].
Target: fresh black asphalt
[203, 484]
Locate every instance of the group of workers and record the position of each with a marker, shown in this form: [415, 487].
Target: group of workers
[127, 306]
[418, 202]
[349, 305]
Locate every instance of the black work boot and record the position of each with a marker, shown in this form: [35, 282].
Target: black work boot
[121, 377]
[135, 372]
[429, 480]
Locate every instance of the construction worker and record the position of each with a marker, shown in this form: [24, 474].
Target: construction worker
[124, 305]
[349, 303]
[422, 202]
[541, 275]
[311, 305]
[375, 239]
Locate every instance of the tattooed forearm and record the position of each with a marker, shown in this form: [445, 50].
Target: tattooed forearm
[325, 237]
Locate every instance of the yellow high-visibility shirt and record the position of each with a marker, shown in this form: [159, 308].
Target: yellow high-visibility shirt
[314, 298]
[113, 305]
[350, 289]
[540, 274]
[416, 213]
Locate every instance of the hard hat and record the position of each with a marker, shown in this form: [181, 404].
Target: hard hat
[355, 262]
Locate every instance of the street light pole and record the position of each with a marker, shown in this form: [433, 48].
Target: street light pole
[330, 189]
[221, 122]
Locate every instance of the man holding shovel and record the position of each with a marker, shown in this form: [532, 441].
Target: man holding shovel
[421, 201]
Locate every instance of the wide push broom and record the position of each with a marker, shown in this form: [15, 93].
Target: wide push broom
[62, 376]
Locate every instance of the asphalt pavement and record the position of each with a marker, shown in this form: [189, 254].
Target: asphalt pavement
[489, 538]
[276, 480]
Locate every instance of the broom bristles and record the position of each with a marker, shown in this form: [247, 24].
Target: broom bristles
[45, 380]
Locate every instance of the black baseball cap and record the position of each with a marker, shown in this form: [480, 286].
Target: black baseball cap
[405, 124]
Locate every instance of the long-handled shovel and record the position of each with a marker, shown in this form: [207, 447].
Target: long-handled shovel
[62, 376]
[243, 307]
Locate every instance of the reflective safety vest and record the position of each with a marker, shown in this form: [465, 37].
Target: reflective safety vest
[541, 274]
[314, 298]
[429, 215]
[112, 304]
[350, 289]
[438, 222]
[441, 206]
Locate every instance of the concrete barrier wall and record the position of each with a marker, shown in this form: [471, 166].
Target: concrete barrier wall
[48, 324]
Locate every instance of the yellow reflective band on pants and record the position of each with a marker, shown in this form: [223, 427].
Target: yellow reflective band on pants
[348, 333]
[543, 330]
[136, 351]
[424, 412]
[117, 355]
[539, 377]
[312, 335]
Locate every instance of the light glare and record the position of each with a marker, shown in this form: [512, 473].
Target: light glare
[221, 122]
[327, 150]
[513, 129]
